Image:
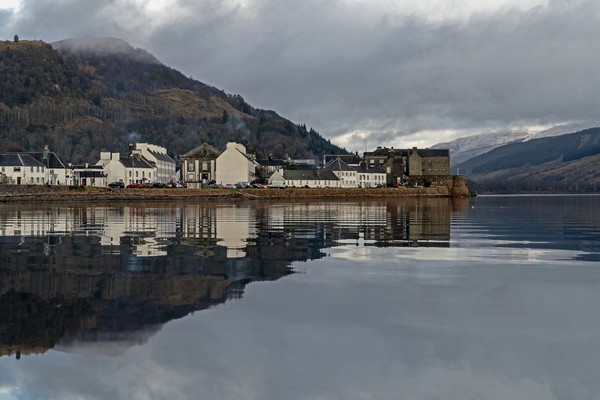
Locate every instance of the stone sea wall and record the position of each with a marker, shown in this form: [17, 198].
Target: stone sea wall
[443, 186]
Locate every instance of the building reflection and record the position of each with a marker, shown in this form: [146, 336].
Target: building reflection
[97, 272]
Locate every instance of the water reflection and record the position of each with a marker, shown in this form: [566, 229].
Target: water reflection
[98, 273]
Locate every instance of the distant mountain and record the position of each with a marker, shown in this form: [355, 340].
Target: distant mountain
[84, 96]
[464, 148]
[568, 162]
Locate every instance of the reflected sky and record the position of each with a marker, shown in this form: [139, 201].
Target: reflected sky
[362, 317]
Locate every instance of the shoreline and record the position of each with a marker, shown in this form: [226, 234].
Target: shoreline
[39, 193]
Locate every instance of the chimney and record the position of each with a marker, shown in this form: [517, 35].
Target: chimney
[46, 151]
[130, 149]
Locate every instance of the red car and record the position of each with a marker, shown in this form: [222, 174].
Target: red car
[134, 186]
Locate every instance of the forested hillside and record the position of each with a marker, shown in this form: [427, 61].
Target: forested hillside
[562, 163]
[81, 99]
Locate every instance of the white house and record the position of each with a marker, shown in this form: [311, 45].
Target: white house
[234, 165]
[22, 169]
[58, 172]
[370, 177]
[344, 172]
[89, 175]
[165, 165]
[132, 169]
[313, 178]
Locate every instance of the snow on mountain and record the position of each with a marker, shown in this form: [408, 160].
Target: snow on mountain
[464, 148]
[563, 129]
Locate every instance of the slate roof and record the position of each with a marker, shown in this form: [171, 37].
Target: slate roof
[133, 162]
[347, 158]
[363, 170]
[19, 160]
[433, 152]
[309, 175]
[387, 152]
[205, 150]
[52, 161]
[337, 165]
[162, 156]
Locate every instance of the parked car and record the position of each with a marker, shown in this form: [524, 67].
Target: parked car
[214, 186]
[230, 186]
[118, 185]
[158, 185]
[147, 185]
[134, 186]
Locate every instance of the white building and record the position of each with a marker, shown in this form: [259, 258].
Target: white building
[344, 172]
[313, 178]
[58, 172]
[89, 175]
[165, 165]
[370, 177]
[234, 165]
[132, 169]
[22, 169]
[352, 176]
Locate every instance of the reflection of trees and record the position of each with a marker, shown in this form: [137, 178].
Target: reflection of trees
[83, 272]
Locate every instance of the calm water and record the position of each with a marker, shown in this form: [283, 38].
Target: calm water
[490, 298]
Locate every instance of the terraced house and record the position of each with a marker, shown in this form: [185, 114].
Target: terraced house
[22, 169]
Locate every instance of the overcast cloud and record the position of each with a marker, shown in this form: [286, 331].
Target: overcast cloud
[395, 73]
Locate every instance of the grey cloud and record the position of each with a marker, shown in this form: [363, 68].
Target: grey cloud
[330, 66]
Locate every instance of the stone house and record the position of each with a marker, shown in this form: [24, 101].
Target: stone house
[400, 164]
[199, 165]
[429, 162]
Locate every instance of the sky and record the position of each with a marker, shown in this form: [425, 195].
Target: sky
[363, 73]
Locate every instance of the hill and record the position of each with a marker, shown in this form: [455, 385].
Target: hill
[467, 147]
[81, 97]
[560, 163]
[464, 148]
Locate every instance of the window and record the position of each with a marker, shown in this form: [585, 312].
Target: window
[130, 174]
[204, 166]
[31, 169]
[137, 174]
[190, 166]
[17, 169]
[37, 180]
